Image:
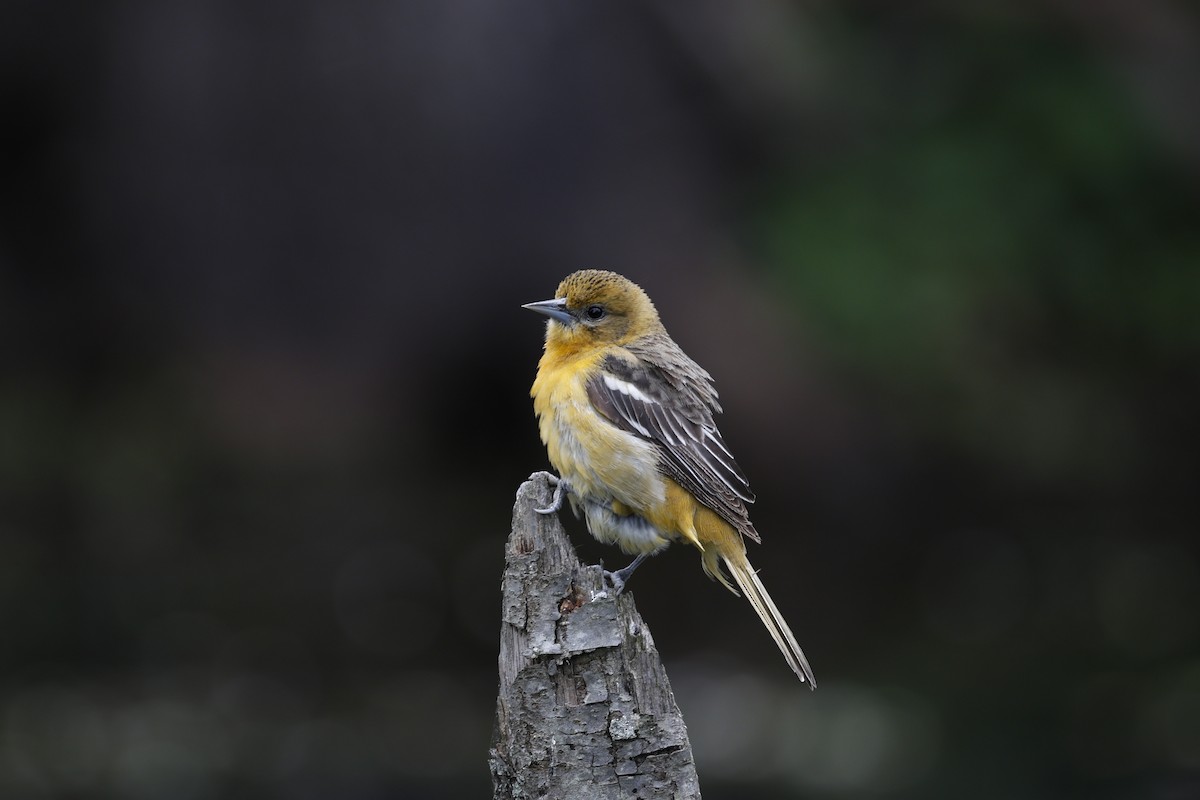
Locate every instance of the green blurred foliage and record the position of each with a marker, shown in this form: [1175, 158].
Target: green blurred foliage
[1002, 262]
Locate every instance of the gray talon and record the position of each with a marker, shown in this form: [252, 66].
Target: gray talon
[619, 577]
[560, 488]
[618, 583]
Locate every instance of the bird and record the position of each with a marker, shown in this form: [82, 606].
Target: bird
[627, 419]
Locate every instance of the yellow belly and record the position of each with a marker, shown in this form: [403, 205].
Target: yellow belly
[599, 459]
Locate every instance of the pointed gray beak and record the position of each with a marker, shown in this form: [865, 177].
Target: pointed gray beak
[555, 309]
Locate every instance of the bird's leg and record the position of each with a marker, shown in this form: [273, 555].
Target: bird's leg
[619, 577]
[561, 487]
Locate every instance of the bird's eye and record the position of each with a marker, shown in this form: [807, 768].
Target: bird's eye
[594, 312]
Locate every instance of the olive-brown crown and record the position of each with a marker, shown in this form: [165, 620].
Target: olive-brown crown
[607, 307]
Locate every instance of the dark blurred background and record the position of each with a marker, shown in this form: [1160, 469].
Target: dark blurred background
[264, 400]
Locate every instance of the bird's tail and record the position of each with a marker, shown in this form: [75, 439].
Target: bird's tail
[739, 566]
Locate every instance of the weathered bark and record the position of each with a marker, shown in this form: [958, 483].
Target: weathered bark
[585, 709]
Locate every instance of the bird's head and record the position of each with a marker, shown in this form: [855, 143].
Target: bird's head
[596, 307]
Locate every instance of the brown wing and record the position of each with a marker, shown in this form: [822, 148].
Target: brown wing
[674, 409]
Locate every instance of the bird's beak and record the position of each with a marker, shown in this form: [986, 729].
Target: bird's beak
[555, 309]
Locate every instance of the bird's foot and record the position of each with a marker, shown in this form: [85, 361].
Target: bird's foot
[561, 487]
[618, 578]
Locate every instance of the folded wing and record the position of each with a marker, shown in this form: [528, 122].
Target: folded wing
[672, 405]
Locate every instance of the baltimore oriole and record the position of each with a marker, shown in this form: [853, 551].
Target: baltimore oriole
[627, 420]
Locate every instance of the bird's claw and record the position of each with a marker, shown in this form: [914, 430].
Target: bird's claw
[618, 578]
[561, 487]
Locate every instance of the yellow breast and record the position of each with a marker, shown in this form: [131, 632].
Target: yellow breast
[602, 462]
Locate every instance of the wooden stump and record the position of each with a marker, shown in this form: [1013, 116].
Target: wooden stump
[585, 709]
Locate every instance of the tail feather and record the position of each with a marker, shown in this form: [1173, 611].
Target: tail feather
[756, 593]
